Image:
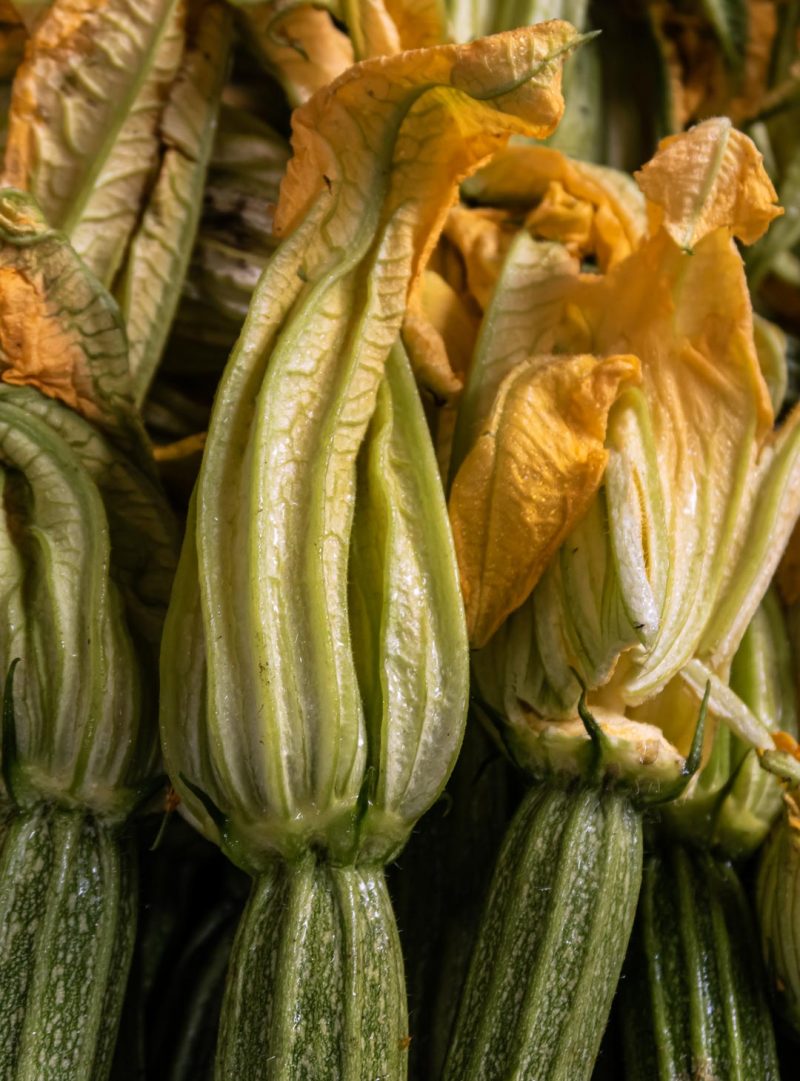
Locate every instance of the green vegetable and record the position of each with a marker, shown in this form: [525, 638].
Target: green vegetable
[79, 753]
[438, 888]
[398, 639]
[315, 987]
[552, 939]
[778, 909]
[693, 995]
[67, 924]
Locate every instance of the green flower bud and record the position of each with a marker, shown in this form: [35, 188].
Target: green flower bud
[79, 628]
[315, 665]
[87, 541]
[407, 646]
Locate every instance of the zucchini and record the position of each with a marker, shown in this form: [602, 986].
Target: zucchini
[67, 925]
[315, 986]
[778, 909]
[552, 939]
[693, 1003]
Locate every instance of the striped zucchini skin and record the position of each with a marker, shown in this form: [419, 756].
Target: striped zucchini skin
[315, 988]
[693, 1002]
[778, 908]
[67, 925]
[552, 939]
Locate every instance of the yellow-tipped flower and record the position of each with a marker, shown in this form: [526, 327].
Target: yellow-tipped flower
[87, 542]
[646, 570]
[315, 665]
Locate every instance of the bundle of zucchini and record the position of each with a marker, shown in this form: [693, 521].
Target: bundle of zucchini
[484, 465]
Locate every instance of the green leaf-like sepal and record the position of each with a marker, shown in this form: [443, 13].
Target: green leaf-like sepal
[734, 799]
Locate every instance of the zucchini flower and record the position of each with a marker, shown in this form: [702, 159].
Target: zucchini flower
[86, 559]
[648, 568]
[619, 507]
[118, 161]
[299, 43]
[314, 666]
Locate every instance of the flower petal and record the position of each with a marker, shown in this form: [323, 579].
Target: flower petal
[706, 178]
[530, 477]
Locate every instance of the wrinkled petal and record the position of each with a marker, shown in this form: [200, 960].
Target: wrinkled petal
[527, 314]
[83, 126]
[710, 413]
[707, 178]
[374, 28]
[60, 331]
[517, 74]
[561, 216]
[529, 478]
[160, 248]
[482, 237]
[439, 333]
[304, 49]
[521, 175]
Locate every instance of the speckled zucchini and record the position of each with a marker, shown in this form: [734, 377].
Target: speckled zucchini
[693, 1001]
[315, 986]
[552, 940]
[67, 925]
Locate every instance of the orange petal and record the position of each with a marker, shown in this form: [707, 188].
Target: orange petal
[709, 177]
[530, 477]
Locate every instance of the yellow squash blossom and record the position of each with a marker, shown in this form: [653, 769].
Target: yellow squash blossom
[662, 570]
[304, 48]
[571, 211]
[261, 628]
